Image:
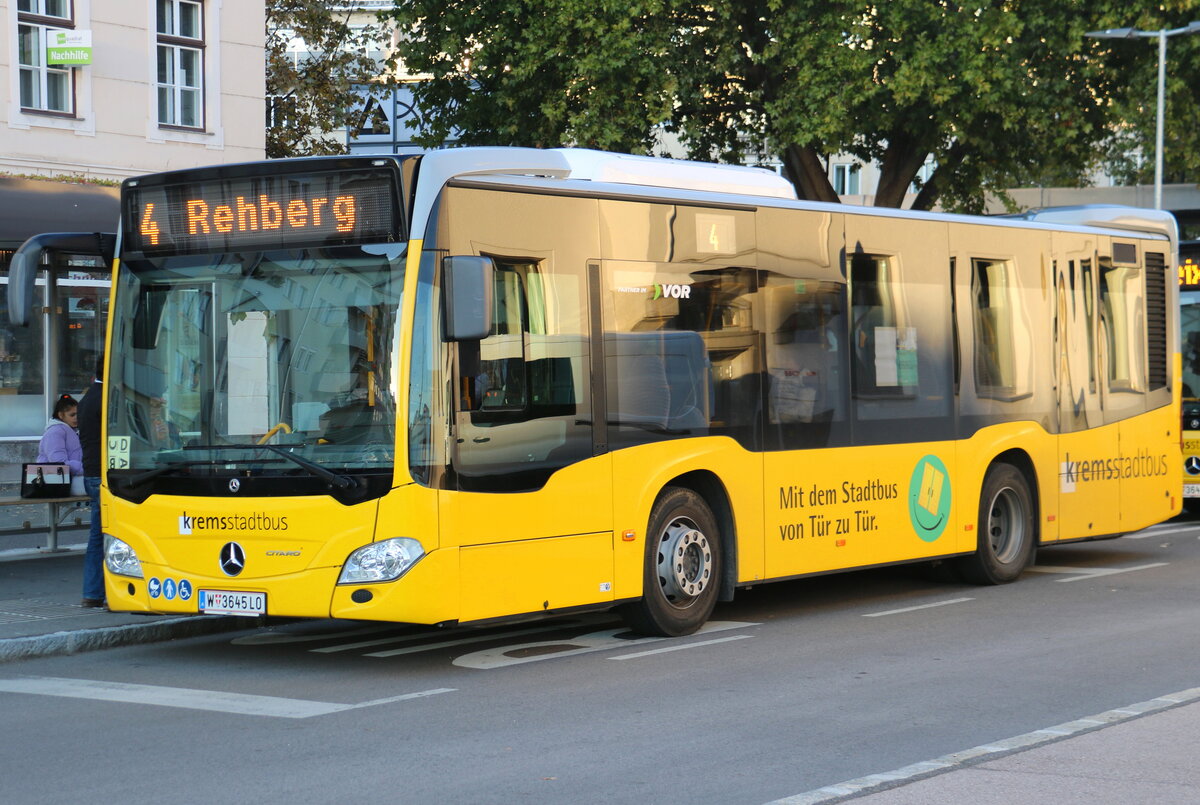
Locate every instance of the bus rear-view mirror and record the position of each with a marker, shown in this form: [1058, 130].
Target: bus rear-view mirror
[467, 286]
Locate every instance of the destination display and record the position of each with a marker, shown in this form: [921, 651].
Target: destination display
[276, 211]
[1189, 273]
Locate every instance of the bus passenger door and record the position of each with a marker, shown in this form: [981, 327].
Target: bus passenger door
[1089, 494]
[529, 503]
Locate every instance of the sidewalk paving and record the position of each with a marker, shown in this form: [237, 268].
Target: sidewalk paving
[1140, 760]
[1141, 752]
[41, 613]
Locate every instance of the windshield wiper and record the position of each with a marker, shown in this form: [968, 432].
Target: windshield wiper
[338, 480]
[135, 481]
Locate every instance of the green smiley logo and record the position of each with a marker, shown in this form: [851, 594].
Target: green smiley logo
[929, 498]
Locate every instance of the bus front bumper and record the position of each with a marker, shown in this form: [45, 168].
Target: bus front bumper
[426, 594]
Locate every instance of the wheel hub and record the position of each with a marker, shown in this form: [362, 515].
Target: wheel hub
[1006, 524]
[685, 562]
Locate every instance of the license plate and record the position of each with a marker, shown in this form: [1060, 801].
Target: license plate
[1191, 490]
[231, 602]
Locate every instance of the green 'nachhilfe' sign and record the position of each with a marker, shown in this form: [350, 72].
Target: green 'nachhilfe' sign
[68, 47]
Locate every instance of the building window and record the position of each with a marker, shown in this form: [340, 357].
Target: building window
[282, 111]
[923, 174]
[180, 27]
[845, 179]
[44, 87]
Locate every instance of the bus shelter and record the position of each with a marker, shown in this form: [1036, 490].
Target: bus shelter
[55, 351]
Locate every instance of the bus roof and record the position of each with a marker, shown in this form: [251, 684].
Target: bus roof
[587, 171]
[1108, 216]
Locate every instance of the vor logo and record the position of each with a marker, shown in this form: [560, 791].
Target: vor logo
[929, 498]
[672, 292]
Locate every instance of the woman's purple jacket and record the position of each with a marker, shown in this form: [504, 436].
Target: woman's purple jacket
[60, 445]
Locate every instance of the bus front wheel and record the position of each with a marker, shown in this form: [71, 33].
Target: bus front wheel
[1006, 528]
[682, 575]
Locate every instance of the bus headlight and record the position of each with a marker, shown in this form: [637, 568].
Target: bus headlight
[120, 559]
[386, 560]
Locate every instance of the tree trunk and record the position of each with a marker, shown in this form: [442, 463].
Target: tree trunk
[901, 161]
[933, 188]
[806, 172]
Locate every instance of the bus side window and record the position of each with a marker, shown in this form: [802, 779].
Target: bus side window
[884, 349]
[806, 351]
[997, 315]
[521, 415]
[492, 372]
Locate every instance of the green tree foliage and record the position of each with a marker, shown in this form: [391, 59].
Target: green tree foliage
[309, 97]
[989, 89]
[999, 92]
[539, 72]
[1129, 153]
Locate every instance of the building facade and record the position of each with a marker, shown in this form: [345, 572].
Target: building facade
[97, 91]
[856, 182]
[147, 85]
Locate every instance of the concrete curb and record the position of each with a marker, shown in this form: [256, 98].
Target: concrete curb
[81, 640]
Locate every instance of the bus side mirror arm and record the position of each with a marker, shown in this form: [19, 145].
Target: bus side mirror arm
[467, 297]
[27, 261]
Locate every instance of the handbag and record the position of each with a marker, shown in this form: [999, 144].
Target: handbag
[45, 481]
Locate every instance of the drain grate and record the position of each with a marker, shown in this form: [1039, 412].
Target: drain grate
[25, 610]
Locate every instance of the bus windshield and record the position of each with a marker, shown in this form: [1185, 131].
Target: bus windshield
[1189, 321]
[277, 364]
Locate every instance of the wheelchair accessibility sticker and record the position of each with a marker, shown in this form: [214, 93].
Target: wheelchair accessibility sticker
[169, 589]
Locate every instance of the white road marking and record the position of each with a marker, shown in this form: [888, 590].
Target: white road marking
[914, 609]
[426, 635]
[383, 641]
[364, 644]
[929, 768]
[498, 657]
[191, 699]
[1164, 529]
[680, 647]
[1058, 569]
[474, 638]
[1110, 571]
[1081, 573]
[275, 638]
[605, 640]
[1150, 533]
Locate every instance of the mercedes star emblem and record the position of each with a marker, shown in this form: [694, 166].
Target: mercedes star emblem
[1192, 465]
[233, 558]
[234, 484]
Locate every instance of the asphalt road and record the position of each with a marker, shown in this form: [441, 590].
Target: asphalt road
[792, 687]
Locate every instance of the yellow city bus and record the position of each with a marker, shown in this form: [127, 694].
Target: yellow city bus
[1189, 338]
[494, 383]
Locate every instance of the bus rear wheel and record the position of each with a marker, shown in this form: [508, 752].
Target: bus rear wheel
[682, 575]
[1006, 529]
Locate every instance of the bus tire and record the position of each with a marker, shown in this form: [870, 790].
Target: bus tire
[1006, 529]
[682, 576]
